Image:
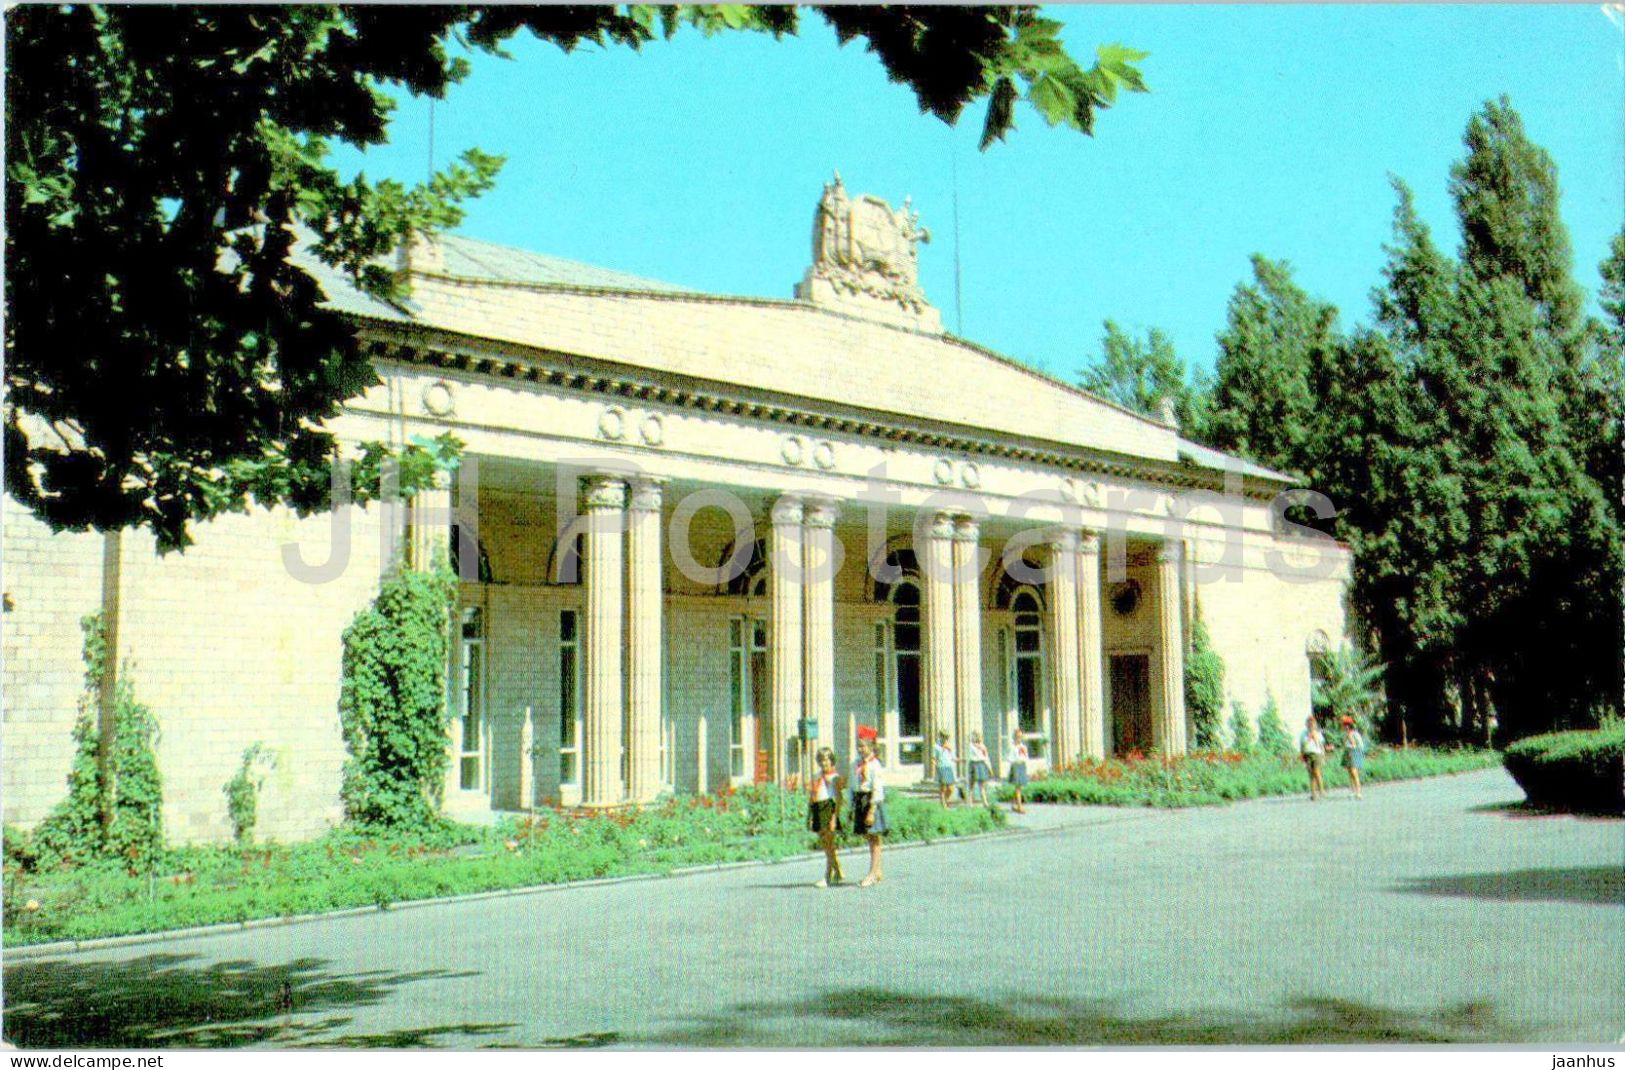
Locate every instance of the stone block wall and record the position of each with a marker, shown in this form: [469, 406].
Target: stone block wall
[223, 644]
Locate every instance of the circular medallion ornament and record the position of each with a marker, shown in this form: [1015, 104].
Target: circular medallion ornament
[653, 430]
[943, 472]
[1125, 598]
[438, 400]
[971, 476]
[612, 424]
[823, 455]
[793, 449]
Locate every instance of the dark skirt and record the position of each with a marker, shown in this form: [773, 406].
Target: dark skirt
[823, 816]
[1018, 774]
[861, 825]
[945, 776]
[980, 773]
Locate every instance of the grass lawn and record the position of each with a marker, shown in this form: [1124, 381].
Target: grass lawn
[350, 867]
[1208, 778]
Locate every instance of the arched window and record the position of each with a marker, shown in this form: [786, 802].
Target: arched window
[907, 651]
[483, 572]
[1027, 667]
[752, 577]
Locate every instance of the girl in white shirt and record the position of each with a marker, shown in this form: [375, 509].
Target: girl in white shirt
[1015, 761]
[824, 813]
[869, 803]
[980, 770]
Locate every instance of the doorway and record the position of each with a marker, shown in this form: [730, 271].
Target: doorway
[1131, 703]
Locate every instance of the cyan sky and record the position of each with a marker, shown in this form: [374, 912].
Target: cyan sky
[1268, 129]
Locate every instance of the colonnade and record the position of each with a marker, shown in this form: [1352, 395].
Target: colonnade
[622, 647]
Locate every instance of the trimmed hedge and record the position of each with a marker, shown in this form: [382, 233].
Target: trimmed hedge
[1212, 778]
[1581, 771]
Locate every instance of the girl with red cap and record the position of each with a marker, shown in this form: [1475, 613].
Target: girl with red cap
[869, 802]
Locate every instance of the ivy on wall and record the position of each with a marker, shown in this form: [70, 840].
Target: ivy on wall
[114, 808]
[392, 702]
[1204, 687]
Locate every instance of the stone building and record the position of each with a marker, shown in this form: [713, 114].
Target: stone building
[693, 530]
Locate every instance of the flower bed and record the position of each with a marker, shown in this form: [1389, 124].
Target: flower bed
[1582, 771]
[1208, 778]
[350, 867]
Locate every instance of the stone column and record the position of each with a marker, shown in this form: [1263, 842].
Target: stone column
[603, 705]
[941, 675]
[644, 603]
[430, 527]
[1063, 614]
[967, 633]
[527, 760]
[1093, 700]
[785, 620]
[1171, 734]
[818, 560]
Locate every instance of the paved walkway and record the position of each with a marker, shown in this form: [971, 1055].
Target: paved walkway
[1432, 911]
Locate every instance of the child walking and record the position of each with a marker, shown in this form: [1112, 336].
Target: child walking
[980, 770]
[824, 813]
[1353, 754]
[869, 803]
[945, 758]
[1015, 760]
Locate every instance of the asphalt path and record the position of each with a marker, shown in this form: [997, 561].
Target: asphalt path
[1431, 911]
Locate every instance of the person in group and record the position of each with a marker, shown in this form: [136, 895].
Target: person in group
[1015, 761]
[1353, 754]
[869, 803]
[980, 769]
[824, 812]
[945, 759]
[1312, 748]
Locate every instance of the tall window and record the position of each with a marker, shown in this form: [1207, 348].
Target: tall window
[1027, 672]
[906, 646]
[471, 701]
[569, 699]
[747, 691]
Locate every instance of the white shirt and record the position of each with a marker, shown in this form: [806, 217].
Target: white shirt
[823, 787]
[1311, 744]
[867, 776]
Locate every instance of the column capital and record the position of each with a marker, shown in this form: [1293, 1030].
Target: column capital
[1168, 552]
[967, 528]
[1088, 541]
[820, 512]
[645, 494]
[1061, 539]
[788, 511]
[942, 526]
[605, 492]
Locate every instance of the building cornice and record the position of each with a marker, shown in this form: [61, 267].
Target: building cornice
[438, 349]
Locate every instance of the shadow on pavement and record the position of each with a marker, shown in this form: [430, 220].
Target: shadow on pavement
[1526, 810]
[882, 1017]
[1598, 884]
[159, 1001]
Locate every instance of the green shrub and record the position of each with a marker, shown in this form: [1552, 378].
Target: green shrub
[1205, 778]
[119, 814]
[392, 701]
[1349, 687]
[1580, 771]
[1272, 736]
[1204, 688]
[242, 791]
[1241, 729]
